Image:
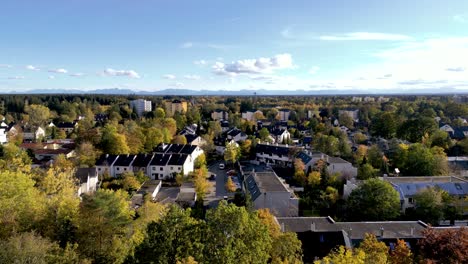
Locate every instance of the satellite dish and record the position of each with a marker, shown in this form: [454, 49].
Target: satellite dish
[397, 170]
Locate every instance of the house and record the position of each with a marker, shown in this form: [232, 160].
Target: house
[141, 163]
[221, 142]
[175, 106]
[459, 165]
[31, 133]
[282, 155]
[447, 128]
[141, 106]
[192, 151]
[280, 135]
[224, 125]
[104, 164]
[408, 187]
[122, 165]
[252, 115]
[88, 180]
[354, 114]
[460, 133]
[341, 166]
[236, 135]
[219, 114]
[50, 150]
[195, 140]
[284, 114]
[67, 127]
[166, 166]
[3, 133]
[319, 235]
[267, 190]
[150, 188]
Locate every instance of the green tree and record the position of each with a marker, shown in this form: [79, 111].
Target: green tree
[87, 154]
[373, 200]
[346, 120]
[366, 171]
[112, 142]
[429, 205]
[103, 226]
[385, 125]
[175, 237]
[235, 236]
[179, 139]
[200, 161]
[376, 251]
[39, 115]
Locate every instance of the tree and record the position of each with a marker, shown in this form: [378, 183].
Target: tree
[299, 174]
[87, 154]
[230, 186]
[264, 134]
[359, 138]
[232, 153]
[235, 236]
[314, 178]
[202, 185]
[179, 139]
[366, 171]
[346, 120]
[200, 161]
[21, 205]
[154, 137]
[385, 125]
[246, 148]
[429, 205]
[376, 251]
[160, 113]
[401, 254]
[32, 248]
[103, 226]
[112, 142]
[422, 161]
[175, 237]
[38, 114]
[344, 255]
[373, 200]
[444, 246]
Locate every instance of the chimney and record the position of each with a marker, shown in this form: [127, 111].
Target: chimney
[312, 227]
[282, 227]
[382, 231]
[412, 231]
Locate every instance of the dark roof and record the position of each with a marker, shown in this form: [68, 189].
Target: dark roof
[262, 182]
[354, 230]
[82, 174]
[234, 132]
[142, 160]
[336, 160]
[160, 159]
[460, 132]
[124, 160]
[106, 160]
[175, 148]
[272, 149]
[190, 138]
[66, 125]
[452, 188]
[277, 131]
[224, 123]
[307, 140]
[304, 157]
[177, 159]
[176, 101]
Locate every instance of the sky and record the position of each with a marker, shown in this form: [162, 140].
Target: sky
[145, 45]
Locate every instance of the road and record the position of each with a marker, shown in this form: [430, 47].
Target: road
[220, 179]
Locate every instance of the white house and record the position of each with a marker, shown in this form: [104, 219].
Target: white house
[141, 106]
[236, 135]
[277, 154]
[123, 164]
[167, 166]
[267, 190]
[447, 128]
[149, 187]
[3, 133]
[88, 180]
[280, 135]
[104, 164]
[33, 133]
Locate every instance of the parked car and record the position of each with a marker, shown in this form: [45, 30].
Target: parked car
[222, 166]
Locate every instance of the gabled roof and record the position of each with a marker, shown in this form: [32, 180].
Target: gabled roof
[66, 125]
[175, 148]
[452, 188]
[177, 159]
[82, 174]
[124, 160]
[277, 131]
[263, 182]
[272, 149]
[190, 138]
[460, 132]
[160, 159]
[304, 157]
[336, 160]
[142, 160]
[106, 160]
[233, 132]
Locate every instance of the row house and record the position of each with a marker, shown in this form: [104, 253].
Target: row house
[88, 180]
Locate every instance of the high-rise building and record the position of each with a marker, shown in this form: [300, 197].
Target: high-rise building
[140, 106]
[175, 106]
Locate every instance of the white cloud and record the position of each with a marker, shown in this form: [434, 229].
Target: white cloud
[456, 69]
[186, 45]
[192, 77]
[58, 70]
[200, 62]
[78, 74]
[32, 68]
[254, 66]
[169, 76]
[460, 18]
[127, 73]
[16, 78]
[366, 36]
[314, 70]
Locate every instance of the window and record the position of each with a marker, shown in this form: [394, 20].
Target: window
[172, 168]
[410, 200]
[118, 168]
[179, 168]
[125, 169]
[161, 168]
[153, 168]
[99, 169]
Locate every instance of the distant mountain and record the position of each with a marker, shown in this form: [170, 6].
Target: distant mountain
[244, 92]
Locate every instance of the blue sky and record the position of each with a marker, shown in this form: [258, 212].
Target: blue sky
[232, 45]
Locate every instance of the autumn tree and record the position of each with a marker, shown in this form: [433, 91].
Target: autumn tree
[232, 153]
[299, 173]
[376, 251]
[444, 246]
[112, 142]
[401, 254]
[230, 186]
[38, 114]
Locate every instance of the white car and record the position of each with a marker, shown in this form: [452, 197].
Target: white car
[222, 166]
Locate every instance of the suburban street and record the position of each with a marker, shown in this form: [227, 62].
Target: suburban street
[220, 179]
